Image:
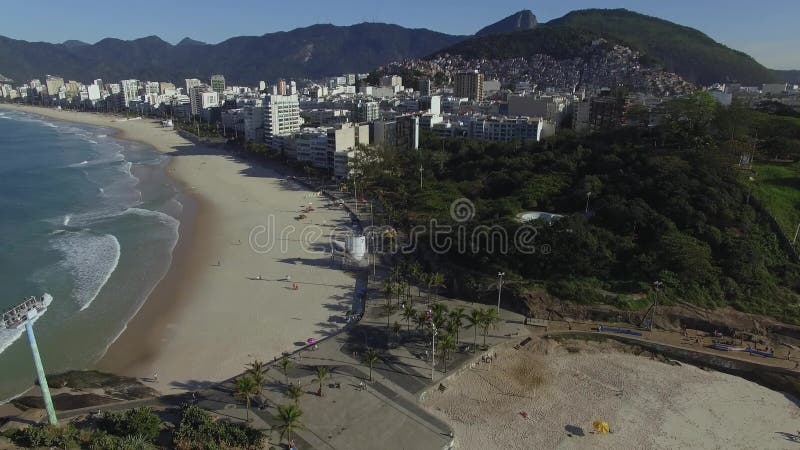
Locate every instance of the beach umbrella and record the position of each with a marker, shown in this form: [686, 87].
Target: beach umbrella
[601, 427]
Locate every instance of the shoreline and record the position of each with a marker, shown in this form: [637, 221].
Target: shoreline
[183, 332]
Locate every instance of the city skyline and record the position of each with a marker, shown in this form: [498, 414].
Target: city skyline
[767, 35]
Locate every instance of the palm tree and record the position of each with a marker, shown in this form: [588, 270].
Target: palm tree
[258, 370]
[417, 276]
[428, 277]
[388, 289]
[371, 357]
[246, 388]
[437, 281]
[474, 318]
[288, 418]
[439, 313]
[396, 327]
[294, 392]
[474, 285]
[446, 346]
[409, 315]
[457, 316]
[285, 364]
[257, 367]
[421, 321]
[389, 309]
[489, 319]
[320, 376]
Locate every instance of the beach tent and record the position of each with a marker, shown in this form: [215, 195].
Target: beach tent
[601, 427]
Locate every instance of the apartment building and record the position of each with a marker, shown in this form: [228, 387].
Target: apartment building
[468, 84]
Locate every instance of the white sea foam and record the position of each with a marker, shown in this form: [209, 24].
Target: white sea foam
[176, 224]
[91, 259]
[7, 337]
[162, 217]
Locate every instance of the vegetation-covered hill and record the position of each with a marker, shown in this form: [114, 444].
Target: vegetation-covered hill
[679, 49]
[313, 51]
[669, 204]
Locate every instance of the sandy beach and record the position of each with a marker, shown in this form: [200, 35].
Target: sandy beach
[649, 404]
[210, 315]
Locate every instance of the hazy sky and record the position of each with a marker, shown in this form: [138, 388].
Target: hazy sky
[767, 29]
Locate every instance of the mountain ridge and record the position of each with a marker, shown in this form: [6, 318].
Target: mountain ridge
[313, 51]
[324, 49]
[677, 48]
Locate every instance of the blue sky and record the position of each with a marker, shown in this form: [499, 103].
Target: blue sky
[767, 29]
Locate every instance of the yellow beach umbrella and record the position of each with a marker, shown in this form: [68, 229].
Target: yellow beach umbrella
[601, 427]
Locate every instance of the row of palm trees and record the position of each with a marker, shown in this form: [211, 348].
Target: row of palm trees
[250, 386]
[447, 322]
[404, 275]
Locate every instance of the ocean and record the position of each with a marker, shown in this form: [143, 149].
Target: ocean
[88, 219]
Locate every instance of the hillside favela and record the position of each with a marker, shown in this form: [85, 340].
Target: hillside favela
[306, 227]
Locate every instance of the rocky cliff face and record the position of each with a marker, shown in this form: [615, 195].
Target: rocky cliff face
[523, 20]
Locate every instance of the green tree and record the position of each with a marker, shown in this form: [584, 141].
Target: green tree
[447, 345]
[389, 309]
[321, 375]
[457, 316]
[474, 320]
[285, 364]
[489, 319]
[409, 315]
[258, 370]
[689, 119]
[245, 389]
[137, 421]
[396, 327]
[288, 418]
[371, 357]
[294, 392]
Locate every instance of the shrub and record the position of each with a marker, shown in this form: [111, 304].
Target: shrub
[198, 430]
[140, 422]
[47, 436]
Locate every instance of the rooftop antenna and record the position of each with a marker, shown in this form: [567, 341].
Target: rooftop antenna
[25, 313]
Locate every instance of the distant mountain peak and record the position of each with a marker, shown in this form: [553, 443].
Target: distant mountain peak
[189, 41]
[522, 20]
[72, 43]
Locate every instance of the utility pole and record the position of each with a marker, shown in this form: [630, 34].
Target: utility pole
[500, 276]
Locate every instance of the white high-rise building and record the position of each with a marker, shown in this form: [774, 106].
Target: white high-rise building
[190, 83]
[130, 90]
[93, 91]
[209, 99]
[281, 116]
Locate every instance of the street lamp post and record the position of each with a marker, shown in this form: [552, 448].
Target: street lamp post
[433, 350]
[500, 276]
[588, 194]
[794, 241]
